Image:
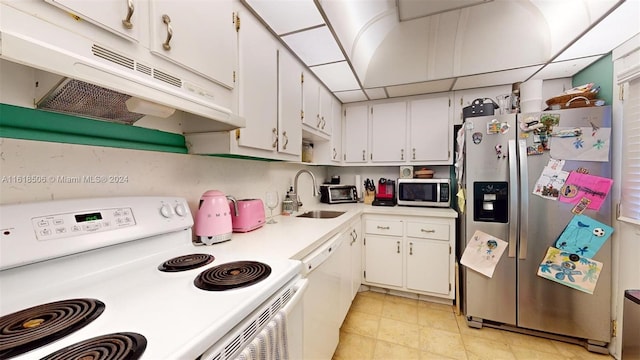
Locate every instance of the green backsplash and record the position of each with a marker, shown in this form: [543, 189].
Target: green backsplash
[600, 73]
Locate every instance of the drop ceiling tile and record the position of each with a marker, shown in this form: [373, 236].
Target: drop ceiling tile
[336, 76]
[376, 93]
[562, 69]
[314, 46]
[350, 96]
[426, 87]
[285, 16]
[495, 78]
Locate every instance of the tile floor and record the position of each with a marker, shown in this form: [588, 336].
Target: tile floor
[381, 326]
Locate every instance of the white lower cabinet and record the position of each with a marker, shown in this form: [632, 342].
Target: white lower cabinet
[410, 253]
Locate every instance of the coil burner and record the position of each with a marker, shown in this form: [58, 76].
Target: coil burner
[186, 262]
[232, 275]
[116, 346]
[37, 326]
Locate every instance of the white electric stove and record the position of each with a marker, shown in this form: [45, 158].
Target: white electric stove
[109, 254]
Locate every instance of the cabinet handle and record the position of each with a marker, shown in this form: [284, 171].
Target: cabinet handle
[427, 231]
[414, 153]
[401, 154]
[127, 21]
[323, 123]
[335, 154]
[274, 131]
[286, 140]
[167, 20]
[318, 121]
[383, 227]
[363, 157]
[398, 249]
[410, 248]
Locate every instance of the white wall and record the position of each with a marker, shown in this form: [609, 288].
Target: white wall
[147, 173]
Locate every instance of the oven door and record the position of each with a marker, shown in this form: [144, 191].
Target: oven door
[259, 327]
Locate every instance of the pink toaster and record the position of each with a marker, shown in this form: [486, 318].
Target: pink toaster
[250, 215]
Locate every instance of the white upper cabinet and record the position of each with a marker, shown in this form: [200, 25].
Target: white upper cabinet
[388, 132]
[258, 85]
[430, 130]
[290, 104]
[336, 132]
[199, 35]
[317, 105]
[117, 16]
[354, 138]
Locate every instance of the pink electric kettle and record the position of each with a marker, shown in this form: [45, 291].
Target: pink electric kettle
[213, 219]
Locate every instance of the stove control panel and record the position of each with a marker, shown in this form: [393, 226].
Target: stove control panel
[75, 224]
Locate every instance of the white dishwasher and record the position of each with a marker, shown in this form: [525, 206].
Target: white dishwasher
[321, 302]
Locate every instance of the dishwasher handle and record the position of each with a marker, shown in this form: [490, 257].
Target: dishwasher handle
[300, 288]
[321, 255]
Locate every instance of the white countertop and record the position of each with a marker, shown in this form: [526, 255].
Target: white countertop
[293, 237]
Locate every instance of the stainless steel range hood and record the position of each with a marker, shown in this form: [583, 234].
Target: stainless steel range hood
[90, 68]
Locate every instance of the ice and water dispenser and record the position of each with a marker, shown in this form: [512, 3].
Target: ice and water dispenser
[491, 201]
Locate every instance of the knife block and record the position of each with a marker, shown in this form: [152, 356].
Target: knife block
[369, 196]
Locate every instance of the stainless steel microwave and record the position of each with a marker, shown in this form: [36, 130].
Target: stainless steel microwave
[337, 194]
[424, 192]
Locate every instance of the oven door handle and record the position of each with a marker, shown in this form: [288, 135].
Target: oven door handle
[300, 287]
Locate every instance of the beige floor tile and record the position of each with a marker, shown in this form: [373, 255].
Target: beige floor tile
[398, 332]
[387, 351]
[435, 306]
[400, 310]
[481, 348]
[354, 347]
[372, 294]
[425, 355]
[530, 342]
[361, 323]
[573, 351]
[367, 304]
[444, 320]
[525, 353]
[401, 300]
[441, 342]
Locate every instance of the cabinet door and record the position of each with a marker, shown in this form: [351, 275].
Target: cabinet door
[258, 85]
[428, 265]
[354, 139]
[383, 260]
[311, 99]
[355, 241]
[344, 257]
[326, 111]
[388, 132]
[117, 16]
[289, 126]
[336, 131]
[430, 129]
[198, 35]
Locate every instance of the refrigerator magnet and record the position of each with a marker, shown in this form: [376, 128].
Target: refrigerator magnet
[493, 127]
[476, 137]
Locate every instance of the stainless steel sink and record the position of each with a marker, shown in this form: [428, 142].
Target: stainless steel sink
[321, 214]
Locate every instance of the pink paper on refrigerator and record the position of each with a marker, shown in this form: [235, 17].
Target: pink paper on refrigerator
[578, 186]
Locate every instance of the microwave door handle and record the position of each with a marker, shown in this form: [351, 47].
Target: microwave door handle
[513, 198]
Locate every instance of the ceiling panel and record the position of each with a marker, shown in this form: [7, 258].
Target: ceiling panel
[285, 16]
[413, 9]
[562, 69]
[377, 93]
[336, 76]
[315, 46]
[495, 78]
[350, 96]
[426, 87]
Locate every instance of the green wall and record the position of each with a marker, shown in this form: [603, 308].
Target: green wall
[600, 73]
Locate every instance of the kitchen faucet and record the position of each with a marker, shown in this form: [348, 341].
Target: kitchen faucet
[296, 199]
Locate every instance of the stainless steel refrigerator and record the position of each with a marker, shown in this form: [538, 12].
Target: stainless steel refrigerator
[499, 201]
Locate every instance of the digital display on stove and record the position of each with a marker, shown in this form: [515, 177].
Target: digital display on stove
[88, 217]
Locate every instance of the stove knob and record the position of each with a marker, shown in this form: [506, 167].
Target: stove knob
[181, 210]
[166, 211]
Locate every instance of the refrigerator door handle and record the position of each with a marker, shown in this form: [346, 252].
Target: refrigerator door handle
[513, 198]
[524, 198]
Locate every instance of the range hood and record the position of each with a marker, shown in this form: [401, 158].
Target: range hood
[121, 72]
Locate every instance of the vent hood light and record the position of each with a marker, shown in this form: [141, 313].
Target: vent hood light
[141, 106]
